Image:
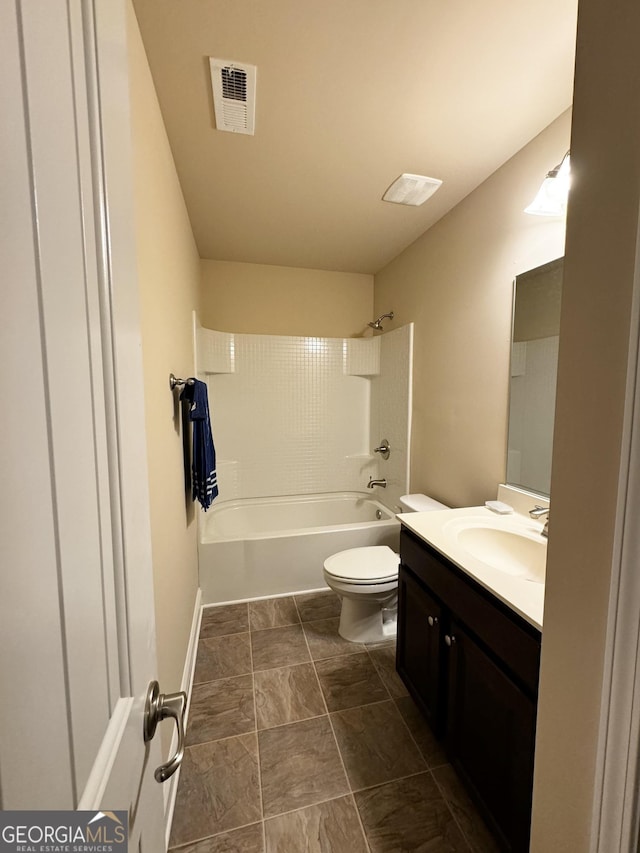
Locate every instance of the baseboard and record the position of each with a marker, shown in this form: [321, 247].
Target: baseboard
[324, 588]
[171, 787]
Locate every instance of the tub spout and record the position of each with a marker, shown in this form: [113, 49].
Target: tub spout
[373, 483]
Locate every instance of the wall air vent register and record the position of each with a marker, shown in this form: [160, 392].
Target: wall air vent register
[234, 95]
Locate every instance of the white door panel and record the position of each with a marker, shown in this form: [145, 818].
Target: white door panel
[59, 250]
[78, 633]
[31, 641]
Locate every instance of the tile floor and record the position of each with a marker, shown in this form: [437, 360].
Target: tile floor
[299, 742]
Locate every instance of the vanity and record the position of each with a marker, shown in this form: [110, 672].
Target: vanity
[468, 650]
[471, 589]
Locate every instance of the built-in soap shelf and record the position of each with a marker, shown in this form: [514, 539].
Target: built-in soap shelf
[216, 351]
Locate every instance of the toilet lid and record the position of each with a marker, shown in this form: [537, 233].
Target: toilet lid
[376, 563]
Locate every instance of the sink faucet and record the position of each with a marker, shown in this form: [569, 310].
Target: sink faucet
[538, 512]
[373, 483]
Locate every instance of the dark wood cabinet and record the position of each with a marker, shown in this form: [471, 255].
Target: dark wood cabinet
[419, 664]
[472, 666]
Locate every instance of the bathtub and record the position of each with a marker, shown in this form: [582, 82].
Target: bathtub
[274, 546]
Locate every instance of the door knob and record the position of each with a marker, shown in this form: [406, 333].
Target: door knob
[158, 706]
[450, 639]
[432, 620]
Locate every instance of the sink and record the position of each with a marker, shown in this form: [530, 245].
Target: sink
[506, 550]
[517, 552]
[506, 554]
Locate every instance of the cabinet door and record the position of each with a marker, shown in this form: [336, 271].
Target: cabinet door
[418, 647]
[490, 736]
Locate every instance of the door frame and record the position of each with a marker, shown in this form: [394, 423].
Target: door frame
[616, 809]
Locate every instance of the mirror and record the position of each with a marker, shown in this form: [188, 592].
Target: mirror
[534, 363]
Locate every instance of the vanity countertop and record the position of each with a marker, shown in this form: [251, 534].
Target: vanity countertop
[440, 530]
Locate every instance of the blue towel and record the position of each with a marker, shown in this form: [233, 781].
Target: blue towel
[203, 461]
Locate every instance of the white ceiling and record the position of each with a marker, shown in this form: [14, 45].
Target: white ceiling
[350, 93]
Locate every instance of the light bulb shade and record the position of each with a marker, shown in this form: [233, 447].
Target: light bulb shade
[551, 199]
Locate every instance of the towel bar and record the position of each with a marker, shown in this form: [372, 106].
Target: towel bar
[174, 381]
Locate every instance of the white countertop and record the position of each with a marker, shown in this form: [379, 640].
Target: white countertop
[523, 596]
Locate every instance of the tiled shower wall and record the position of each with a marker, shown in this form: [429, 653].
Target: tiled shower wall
[391, 410]
[292, 415]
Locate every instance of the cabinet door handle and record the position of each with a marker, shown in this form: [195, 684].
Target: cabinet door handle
[450, 639]
[432, 620]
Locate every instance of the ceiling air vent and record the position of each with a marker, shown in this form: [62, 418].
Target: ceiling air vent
[234, 95]
[412, 189]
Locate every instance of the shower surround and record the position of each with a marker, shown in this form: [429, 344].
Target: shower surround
[300, 416]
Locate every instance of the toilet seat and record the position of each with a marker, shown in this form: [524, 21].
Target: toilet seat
[370, 565]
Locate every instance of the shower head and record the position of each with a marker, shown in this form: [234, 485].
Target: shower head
[377, 324]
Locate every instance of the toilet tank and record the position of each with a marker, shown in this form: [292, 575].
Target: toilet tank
[420, 503]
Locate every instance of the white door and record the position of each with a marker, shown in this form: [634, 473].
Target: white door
[77, 633]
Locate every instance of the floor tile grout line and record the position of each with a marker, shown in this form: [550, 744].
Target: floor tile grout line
[255, 717]
[392, 781]
[225, 634]
[300, 663]
[411, 735]
[229, 737]
[317, 717]
[345, 653]
[452, 813]
[293, 722]
[392, 700]
[274, 627]
[222, 637]
[359, 816]
[379, 677]
[348, 795]
[438, 766]
[404, 722]
[223, 678]
[202, 636]
[351, 795]
[214, 835]
[309, 805]
[395, 705]
[249, 629]
[258, 731]
[335, 740]
[300, 621]
[221, 739]
[382, 681]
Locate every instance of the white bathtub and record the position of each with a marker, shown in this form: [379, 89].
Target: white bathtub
[273, 546]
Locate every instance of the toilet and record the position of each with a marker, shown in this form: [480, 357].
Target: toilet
[366, 579]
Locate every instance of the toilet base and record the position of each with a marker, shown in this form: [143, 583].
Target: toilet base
[366, 622]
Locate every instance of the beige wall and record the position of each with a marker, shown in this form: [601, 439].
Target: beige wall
[456, 282]
[169, 272]
[272, 300]
[602, 229]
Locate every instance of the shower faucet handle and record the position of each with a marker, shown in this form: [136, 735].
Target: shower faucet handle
[384, 450]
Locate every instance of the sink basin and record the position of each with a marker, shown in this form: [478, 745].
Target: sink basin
[508, 551]
[511, 547]
[506, 554]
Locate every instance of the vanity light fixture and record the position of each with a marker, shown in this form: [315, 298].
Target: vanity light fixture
[552, 196]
